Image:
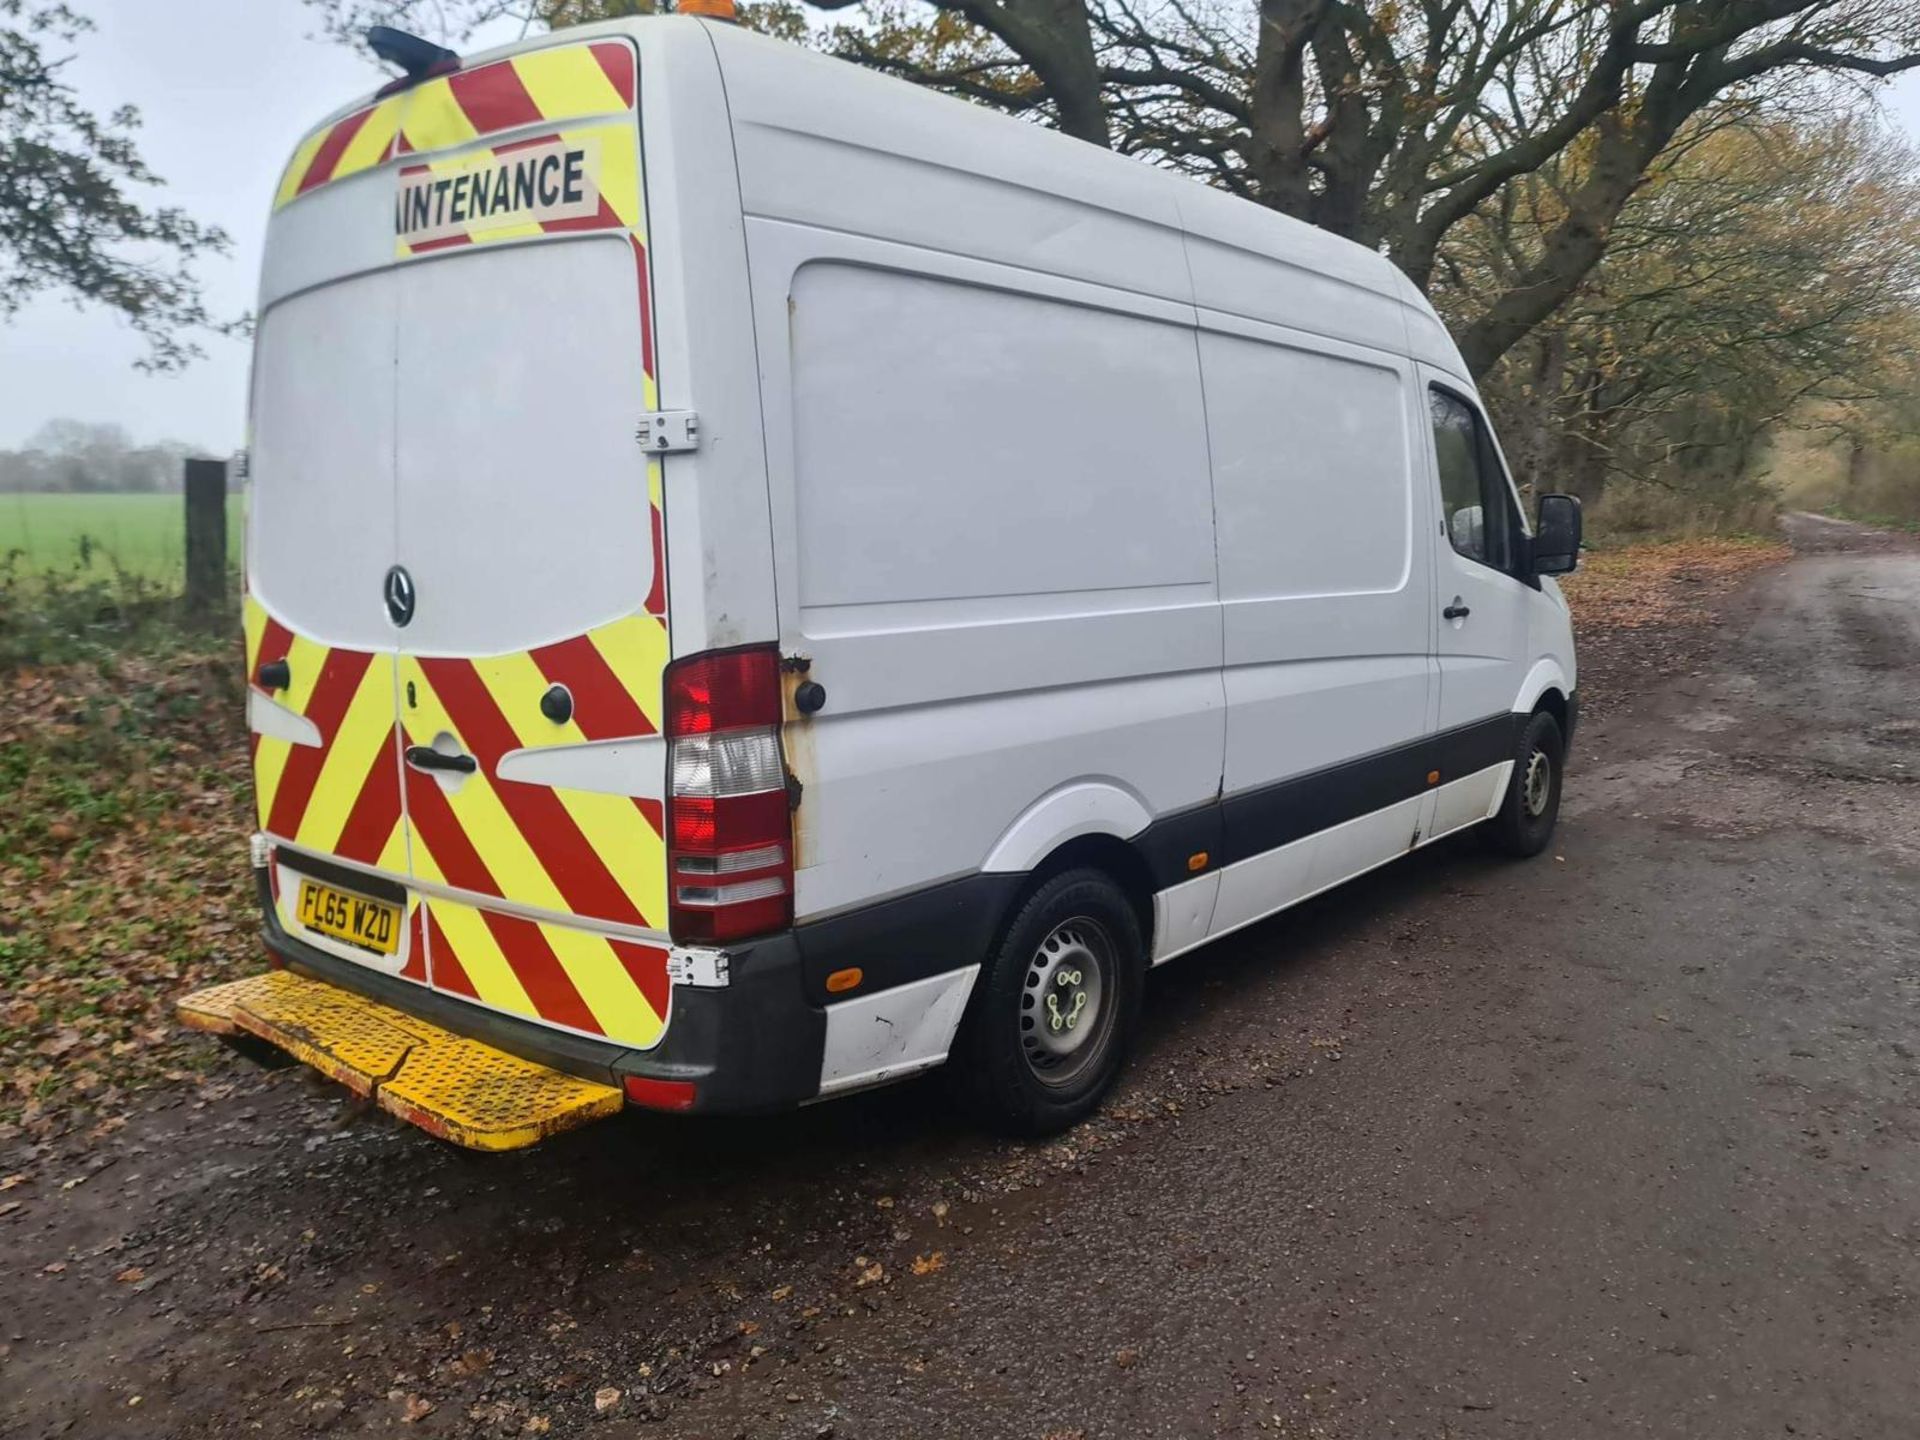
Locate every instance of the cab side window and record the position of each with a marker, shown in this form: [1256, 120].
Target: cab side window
[1473, 493]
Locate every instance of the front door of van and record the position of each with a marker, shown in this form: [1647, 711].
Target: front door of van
[1481, 604]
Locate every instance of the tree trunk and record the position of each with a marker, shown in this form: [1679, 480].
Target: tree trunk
[1856, 467]
[206, 485]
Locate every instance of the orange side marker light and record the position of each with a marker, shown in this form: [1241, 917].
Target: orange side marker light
[1197, 860]
[841, 981]
[1433, 777]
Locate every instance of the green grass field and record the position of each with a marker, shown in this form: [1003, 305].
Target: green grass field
[143, 535]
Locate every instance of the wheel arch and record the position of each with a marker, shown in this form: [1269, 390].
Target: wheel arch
[1555, 704]
[1088, 821]
[1089, 807]
[1544, 678]
[1113, 857]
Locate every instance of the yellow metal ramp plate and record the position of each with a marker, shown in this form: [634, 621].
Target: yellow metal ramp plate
[448, 1085]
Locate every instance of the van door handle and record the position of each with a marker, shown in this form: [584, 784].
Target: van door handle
[1456, 611]
[425, 757]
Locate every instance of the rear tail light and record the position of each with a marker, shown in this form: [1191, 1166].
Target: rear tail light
[660, 1094]
[729, 827]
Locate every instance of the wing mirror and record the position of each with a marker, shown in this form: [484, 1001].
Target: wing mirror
[1556, 539]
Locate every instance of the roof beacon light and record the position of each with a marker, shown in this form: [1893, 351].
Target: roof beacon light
[421, 59]
[709, 9]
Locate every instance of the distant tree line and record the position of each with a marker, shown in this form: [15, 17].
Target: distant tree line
[74, 457]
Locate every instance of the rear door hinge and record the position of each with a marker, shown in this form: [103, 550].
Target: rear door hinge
[664, 431]
[706, 969]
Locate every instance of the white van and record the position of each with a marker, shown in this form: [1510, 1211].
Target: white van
[763, 580]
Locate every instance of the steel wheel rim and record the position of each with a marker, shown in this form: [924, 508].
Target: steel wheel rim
[1538, 787]
[1066, 1002]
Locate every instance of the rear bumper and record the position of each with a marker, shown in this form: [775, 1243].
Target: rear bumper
[752, 1045]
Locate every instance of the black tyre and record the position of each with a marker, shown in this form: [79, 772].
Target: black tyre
[1055, 1007]
[1532, 804]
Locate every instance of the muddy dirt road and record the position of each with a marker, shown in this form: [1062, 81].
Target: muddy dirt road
[1624, 1141]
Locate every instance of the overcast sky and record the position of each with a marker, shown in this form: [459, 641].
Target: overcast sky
[225, 88]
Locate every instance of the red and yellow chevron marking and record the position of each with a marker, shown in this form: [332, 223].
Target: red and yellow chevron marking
[342, 796]
[557, 84]
[615, 175]
[573, 851]
[557, 974]
[569, 851]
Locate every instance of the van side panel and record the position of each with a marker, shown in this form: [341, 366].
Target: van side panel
[1001, 593]
[988, 478]
[1252, 263]
[955, 443]
[1326, 585]
[1324, 580]
[826, 144]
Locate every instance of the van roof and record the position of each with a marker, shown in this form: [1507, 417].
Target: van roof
[807, 91]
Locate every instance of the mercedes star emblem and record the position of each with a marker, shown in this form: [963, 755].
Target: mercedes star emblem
[399, 593]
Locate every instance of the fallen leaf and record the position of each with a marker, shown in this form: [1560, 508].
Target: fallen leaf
[415, 1409]
[132, 1275]
[536, 1425]
[928, 1264]
[605, 1398]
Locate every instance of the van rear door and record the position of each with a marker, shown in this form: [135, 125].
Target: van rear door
[321, 539]
[539, 636]
[456, 354]
[528, 519]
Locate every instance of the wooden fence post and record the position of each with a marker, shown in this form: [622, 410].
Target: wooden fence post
[206, 539]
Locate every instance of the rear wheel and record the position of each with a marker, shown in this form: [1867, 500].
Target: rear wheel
[1527, 815]
[1055, 1007]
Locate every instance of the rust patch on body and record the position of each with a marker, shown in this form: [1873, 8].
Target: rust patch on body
[796, 740]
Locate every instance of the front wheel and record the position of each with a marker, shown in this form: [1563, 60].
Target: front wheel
[1525, 821]
[1055, 1007]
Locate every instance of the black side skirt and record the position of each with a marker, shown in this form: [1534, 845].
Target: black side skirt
[951, 925]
